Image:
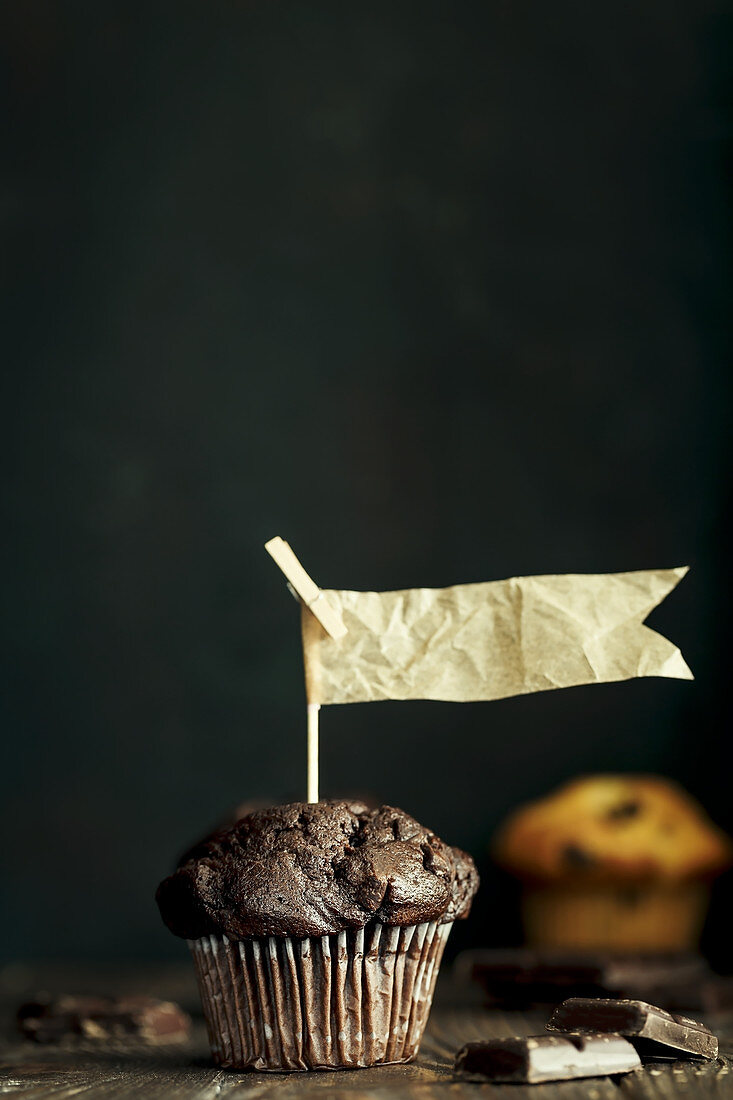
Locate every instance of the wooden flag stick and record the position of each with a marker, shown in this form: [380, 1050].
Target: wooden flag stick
[313, 709]
[306, 589]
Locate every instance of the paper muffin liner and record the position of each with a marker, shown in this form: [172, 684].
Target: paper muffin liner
[330, 1002]
[649, 918]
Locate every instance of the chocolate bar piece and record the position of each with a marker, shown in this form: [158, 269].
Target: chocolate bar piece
[547, 1058]
[523, 976]
[717, 995]
[102, 1019]
[652, 1030]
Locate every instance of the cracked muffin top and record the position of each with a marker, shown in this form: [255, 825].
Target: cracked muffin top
[314, 869]
[613, 828]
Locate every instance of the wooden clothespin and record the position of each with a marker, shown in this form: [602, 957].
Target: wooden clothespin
[305, 587]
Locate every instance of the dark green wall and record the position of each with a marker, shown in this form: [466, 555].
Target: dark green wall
[438, 292]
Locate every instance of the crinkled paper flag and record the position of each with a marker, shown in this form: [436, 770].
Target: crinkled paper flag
[491, 640]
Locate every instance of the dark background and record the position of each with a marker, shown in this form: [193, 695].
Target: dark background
[438, 292]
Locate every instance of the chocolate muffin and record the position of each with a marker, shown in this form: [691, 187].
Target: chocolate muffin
[317, 932]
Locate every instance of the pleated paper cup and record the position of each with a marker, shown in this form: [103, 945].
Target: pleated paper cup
[344, 1001]
[652, 918]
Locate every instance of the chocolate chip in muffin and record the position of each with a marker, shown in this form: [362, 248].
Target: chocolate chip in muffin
[624, 811]
[576, 857]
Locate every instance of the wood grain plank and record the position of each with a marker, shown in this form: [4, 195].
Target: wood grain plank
[185, 1071]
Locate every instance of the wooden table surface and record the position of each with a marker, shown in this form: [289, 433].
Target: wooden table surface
[185, 1070]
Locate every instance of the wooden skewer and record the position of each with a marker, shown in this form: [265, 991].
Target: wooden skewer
[306, 589]
[313, 709]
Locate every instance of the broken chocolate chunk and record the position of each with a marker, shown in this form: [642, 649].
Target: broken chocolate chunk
[716, 995]
[101, 1019]
[652, 1030]
[521, 976]
[547, 1058]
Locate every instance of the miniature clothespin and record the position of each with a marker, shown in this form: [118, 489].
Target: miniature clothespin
[305, 587]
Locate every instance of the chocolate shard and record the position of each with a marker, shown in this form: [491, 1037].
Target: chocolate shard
[717, 995]
[538, 1058]
[523, 976]
[103, 1019]
[652, 1030]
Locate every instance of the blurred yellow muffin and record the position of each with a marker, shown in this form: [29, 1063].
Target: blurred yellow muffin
[614, 862]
